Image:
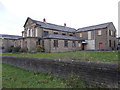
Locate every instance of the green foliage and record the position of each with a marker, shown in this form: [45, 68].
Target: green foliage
[39, 48]
[23, 50]
[10, 49]
[111, 56]
[13, 49]
[75, 81]
[13, 77]
[16, 49]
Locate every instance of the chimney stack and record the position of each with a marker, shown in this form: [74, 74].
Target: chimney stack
[64, 24]
[44, 20]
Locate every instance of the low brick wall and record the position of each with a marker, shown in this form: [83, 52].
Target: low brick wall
[95, 73]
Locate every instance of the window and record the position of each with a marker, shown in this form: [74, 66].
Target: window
[39, 41]
[45, 33]
[109, 43]
[89, 34]
[114, 34]
[70, 35]
[99, 32]
[73, 44]
[55, 32]
[33, 32]
[55, 43]
[80, 34]
[79, 44]
[65, 43]
[114, 43]
[63, 34]
[111, 33]
[36, 33]
[29, 33]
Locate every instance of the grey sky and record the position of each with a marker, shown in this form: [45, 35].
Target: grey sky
[75, 13]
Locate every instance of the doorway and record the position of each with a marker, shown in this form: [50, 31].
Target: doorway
[100, 45]
[83, 46]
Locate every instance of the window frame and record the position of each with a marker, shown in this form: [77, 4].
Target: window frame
[63, 33]
[55, 32]
[65, 43]
[99, 32]
[110, 43]
[45, 33]
[55, 43]
[73, 43]
[89, 35]
[81, 34]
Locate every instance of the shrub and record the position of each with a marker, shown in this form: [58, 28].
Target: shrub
[16, 49]
[9, 49]
[23, 50]
[39, 48]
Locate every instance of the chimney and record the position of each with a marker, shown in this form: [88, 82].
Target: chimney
[44, 20]
[64, 24]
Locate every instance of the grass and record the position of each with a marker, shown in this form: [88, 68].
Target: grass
[14, 77]
[111, 56]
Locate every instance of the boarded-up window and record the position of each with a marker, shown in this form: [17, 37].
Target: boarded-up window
[70, 35]
[99, 32]
[79, 44]
[89, 34]
[29, 33]
[109, 43]
[46, 33]
[63, 34]
[114, 43]
[55, 32]
[55, 43]
[65, 43]
[80, 34]
[73, 44]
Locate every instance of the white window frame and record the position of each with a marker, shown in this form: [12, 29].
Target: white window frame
[111, 32]
[80, 34]
[27, 32]
[99, 32]
[36, 32]
[89, 35]
[31, 32]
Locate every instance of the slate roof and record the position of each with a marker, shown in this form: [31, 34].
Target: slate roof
[94, 27]
[10, 36]
[64, 37]
[54, 26]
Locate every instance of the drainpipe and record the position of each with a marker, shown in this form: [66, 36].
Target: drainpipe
[50, 45]
[95, 39]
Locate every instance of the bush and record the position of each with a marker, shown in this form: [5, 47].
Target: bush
[16, 49]
[39, 48]
[23, 50]
[13, 49]
[10, 49]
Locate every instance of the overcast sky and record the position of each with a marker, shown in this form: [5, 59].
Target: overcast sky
[75, 13]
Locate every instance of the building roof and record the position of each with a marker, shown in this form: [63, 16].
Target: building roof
[10, 36]
[64, 37]
[94, 27]
[54, 26]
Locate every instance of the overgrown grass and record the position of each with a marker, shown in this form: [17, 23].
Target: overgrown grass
[14, 77]
[111, 56]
